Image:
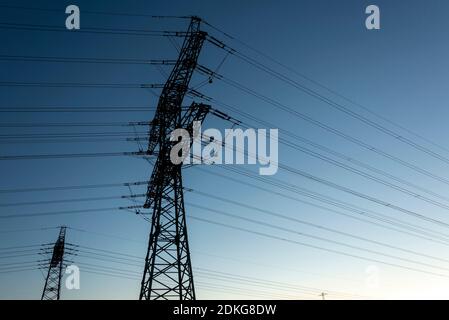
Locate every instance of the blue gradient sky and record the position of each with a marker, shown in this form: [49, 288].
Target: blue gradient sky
[400, 71]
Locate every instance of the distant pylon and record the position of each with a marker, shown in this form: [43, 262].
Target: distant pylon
[168, 270]
[52, 287]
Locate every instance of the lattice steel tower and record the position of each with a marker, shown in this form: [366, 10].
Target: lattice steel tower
[168, 270]
[52, 287]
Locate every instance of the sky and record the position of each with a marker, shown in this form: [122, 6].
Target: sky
[399, 73]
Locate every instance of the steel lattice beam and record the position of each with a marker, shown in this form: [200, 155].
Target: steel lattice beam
[168, 270]
[52, 287]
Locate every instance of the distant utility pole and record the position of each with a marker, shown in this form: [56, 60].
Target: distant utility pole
[168, 270]
[323, 295]
[52, 287]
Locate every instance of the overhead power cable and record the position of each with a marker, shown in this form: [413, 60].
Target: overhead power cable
[72, 155]
[71, 85]
[101, 234]
[68, 135]
[270, 236]
[327, 88]
[336, 105]
[350, 191]
[66, 140]
[331, 152]
[385, 221]
[228, 275]
[19, 270]
[24, 246]
[28, 230]
[45, 202]
[91, 30]
[88, 60]
[283, 216]
[349, 138]
[94, 12]
[55, 213]
[71, 124]
[93, 109]
[75, 187]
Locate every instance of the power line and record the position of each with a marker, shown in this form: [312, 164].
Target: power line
[130, 264]
[110, 251]
[24, 246]
[109, 269]
[226, 276]
[309, 152]
[315, 246]
[71, 155]
[415, 230]
[333, 91]
[253, 284]
[14, 264]
[71, 124]
[75, 187]
[335, 131]
[137, 278]
[92, 109]
[371, 168]
[135, 262]
[19, 255]
[333, 152]
[288, 230]
[365, 175]
[54, 213]
[71, 85]
[303, 222]
[45, 202]
[68, 135]
[22, 251]
[364, 196]
[205, 286]
[390, 222]
[100, 31]
[275, 267]
[24, 265]
[356, 193]
[27, 230]
[338, 106]
[88, 60]
[96, 12]
[65, 140]
[109, 260]
[90, 270]
[19, 270]
[283, 285]
[104, 234]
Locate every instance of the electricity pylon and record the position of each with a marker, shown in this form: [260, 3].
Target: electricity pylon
[52, 287]
[168, 270]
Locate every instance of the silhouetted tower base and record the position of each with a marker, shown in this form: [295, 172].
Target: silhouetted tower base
[52, 287]
[168, 270]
